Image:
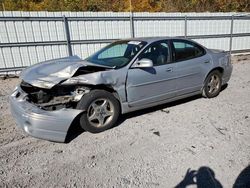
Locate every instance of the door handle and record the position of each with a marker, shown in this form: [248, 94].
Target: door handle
[169, 69]
[207, 62]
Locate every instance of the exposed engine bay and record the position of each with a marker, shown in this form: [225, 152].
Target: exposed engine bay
[55, 98]
[49, 93]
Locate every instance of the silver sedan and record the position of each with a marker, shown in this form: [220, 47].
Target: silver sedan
[125, 76]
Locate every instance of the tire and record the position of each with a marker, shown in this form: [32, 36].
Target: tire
[212, 88]
[99, 115]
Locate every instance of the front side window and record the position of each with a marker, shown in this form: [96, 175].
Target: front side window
[185, 50]
[158, 52]
[117, 54]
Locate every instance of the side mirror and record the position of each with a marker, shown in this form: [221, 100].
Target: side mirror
[143, 63]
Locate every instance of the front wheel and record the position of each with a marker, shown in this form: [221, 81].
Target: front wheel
[102, 111]
[212, 84]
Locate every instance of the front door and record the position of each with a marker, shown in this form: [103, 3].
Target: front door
[148, 85]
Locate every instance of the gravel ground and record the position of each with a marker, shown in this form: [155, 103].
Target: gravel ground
[149, 148]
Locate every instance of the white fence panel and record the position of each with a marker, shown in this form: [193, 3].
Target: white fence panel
[26, 42]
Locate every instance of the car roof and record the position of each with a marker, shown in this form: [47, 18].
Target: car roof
[153, 39]
[150, 40]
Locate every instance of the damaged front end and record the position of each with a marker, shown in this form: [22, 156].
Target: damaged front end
[44, 105]
[45, 84]
[56, 98]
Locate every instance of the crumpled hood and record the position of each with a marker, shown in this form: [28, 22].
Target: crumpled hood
[49, 73]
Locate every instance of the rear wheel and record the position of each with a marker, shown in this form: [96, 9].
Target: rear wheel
[102, 111]
[212, 84]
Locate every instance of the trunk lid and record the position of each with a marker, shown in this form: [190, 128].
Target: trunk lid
[217, 51]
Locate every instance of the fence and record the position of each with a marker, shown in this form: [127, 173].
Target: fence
[30, 37]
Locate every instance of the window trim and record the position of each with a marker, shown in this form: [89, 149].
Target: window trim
[188, 42]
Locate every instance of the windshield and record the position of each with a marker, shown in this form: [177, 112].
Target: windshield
[117, 54]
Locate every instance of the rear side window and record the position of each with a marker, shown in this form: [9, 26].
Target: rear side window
[185, 50]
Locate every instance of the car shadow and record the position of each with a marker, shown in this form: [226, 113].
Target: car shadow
[161, 107]
[129, 115]
[75, 129]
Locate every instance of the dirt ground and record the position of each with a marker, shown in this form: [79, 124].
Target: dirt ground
[149, 148]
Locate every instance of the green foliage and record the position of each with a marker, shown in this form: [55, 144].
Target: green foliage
[137, 5]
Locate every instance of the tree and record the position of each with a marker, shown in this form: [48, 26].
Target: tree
[137, 5]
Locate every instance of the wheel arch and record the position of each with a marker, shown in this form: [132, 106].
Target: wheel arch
[75, 124]
[220, 69]
[109, 89]
[204, 94]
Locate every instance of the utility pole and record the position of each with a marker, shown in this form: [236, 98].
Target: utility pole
[132, 29]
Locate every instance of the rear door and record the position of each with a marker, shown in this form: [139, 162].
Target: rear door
[148, 85]
[190, 60]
